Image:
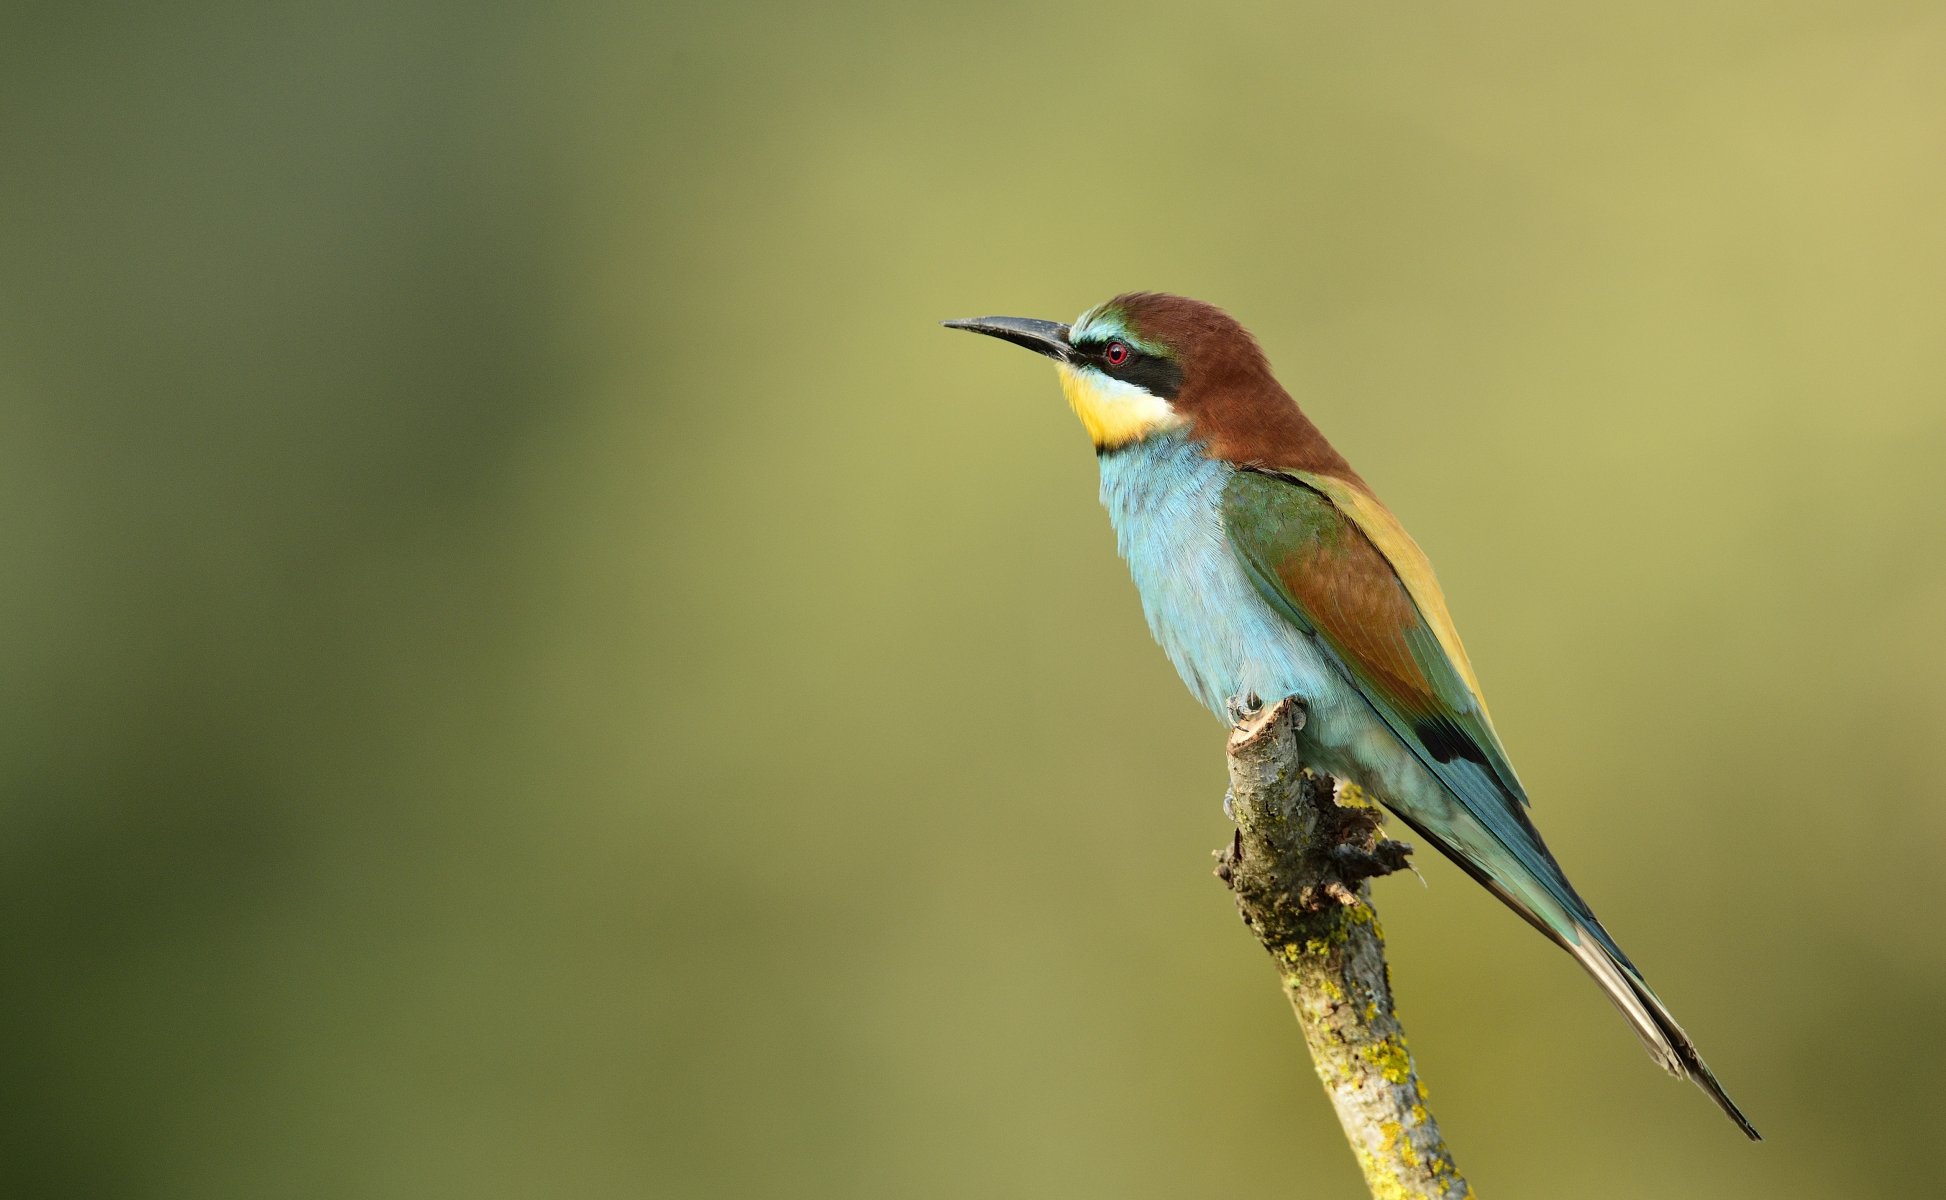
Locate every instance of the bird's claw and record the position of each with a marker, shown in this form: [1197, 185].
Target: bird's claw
[1242, 708]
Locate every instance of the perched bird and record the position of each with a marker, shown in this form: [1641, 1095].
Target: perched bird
[1267, 566]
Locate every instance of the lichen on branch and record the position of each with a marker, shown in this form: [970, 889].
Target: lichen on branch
[1298, 865]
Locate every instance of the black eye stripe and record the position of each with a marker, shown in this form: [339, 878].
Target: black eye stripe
[1152, 373]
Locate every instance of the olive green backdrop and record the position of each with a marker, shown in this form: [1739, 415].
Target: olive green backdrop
[533, 668]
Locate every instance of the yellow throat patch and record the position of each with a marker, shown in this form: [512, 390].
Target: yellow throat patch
[1113, 412]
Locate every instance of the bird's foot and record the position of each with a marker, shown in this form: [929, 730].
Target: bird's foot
[1242, 708]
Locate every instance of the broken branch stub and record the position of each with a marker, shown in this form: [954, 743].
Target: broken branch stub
[1298, 865]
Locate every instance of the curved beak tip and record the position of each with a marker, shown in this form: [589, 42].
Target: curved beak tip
[1042, 337]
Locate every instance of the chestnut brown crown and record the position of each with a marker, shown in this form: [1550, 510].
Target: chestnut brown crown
[1226, 391]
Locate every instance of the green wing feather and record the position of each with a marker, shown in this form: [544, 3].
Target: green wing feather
[1355, 583]
[1318, 567]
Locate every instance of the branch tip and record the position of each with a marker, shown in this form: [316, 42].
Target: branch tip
[1297, 863]
[1254, 719]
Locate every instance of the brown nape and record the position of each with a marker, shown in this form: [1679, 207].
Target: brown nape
[1228, 392]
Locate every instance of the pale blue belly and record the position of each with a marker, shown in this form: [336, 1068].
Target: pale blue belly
[1164, 497]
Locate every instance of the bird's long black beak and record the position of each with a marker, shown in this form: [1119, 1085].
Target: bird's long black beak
[1042, 337]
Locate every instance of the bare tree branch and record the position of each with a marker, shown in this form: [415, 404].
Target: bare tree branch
[1298, 865]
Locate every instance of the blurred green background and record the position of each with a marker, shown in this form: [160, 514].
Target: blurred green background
[533, 668]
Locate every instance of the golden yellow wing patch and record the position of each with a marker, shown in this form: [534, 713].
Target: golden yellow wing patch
[1377, 523]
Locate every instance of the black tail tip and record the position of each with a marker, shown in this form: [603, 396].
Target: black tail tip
[1743, 1123]
[1701, 1076]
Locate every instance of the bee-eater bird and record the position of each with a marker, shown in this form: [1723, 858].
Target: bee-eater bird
[1268, 567]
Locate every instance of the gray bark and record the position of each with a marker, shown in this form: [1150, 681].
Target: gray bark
[1298, 865]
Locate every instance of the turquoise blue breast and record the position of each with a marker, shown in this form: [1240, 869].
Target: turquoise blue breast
[1165, 498]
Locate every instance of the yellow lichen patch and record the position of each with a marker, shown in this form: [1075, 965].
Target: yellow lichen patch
[1382, 1178]
[1386, 1170]
[1390, 1057]
[1350, 795]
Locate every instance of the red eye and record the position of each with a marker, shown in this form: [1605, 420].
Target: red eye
[1116, 353]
